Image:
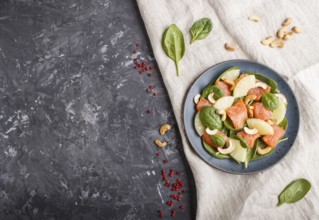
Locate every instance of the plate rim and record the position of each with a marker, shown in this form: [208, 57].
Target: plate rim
[225, 170]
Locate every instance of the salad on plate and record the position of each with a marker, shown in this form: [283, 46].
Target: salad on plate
[241, 116]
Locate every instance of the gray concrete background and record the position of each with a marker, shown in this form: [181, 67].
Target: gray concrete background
[76, 138]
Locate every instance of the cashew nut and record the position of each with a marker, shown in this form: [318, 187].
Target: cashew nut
[254, 18]
[267, 40]
[251, 111]
[281, 32]
[230, 47]
[277, 43]
[296, 29]
[231, 83]
[196, 98]
[164, 128]
[250, 131]
[263, 151]
[249, 98]
[286, 22]
[262, 85]
[229, 149]
[160, 143]
[288, 35]
[271, 121]
[211, 132]
[222, 113]
[210, 98]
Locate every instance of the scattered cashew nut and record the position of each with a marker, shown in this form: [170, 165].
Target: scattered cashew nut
[288, 35]
[210, 98]
[296, 29]
[249, 98]
[211, 132]
[230, 47]
[229, 149]
[267, 40]
[231, 83]
[254, 18]
[160, 143]
[251, 111]
[222, 113]
[250, 131]
[281, 32]
[286, 22]
[196, 98]
[277, 43]
[164, 128]
[263, 151]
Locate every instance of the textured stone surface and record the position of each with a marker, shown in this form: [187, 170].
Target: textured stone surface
[76, 140]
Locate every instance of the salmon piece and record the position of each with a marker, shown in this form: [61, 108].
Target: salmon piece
[261, 112]
[238, 114]
[258, 91]
[272, 140]
[202, 103]
[223, 86]
[206, 137]
[249, 138]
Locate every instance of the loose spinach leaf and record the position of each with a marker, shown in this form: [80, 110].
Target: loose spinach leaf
[214, 152]
[284, 123]
[270, 101]
[201, 29]
[173, 44]
[210, 118]
[272, 83]
[218, 140]
[218, 92]
[294, 191]
[242, 141]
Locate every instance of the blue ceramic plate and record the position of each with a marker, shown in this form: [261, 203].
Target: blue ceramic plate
[229, 165]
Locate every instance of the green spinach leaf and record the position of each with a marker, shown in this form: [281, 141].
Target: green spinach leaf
[218, 140]
[210, 118]
[270, 101]
[294, 192]
[201, 29]
[173, 44]
[218, 92]
[214, 152]
[261, 144]
[284, 124]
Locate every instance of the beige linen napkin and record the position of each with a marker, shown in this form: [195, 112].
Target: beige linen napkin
[227, 196]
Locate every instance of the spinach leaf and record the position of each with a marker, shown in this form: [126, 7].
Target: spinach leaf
[248, 156]
[173, 44]
[284, 124]
[210, 118]
[261, 144]
[214, 152]
[229, 125]
[218, 140]
[201, 29]
[270, 101]
[218, 92]
[272, 83]
[242, 141]
[294, 191]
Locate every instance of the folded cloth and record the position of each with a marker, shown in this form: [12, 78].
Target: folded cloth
[227, 196]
